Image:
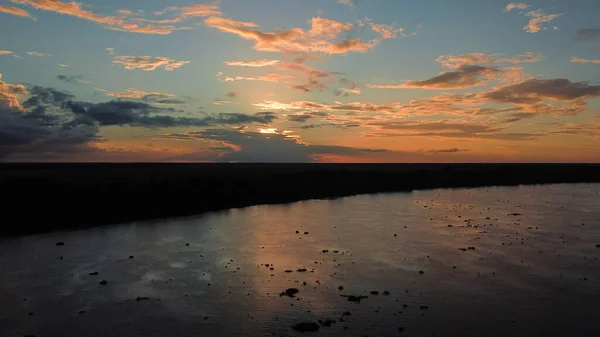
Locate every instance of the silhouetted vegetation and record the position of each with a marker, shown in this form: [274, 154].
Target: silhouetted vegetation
[47, 197]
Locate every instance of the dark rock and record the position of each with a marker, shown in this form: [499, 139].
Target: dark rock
[325, 251]
[374, 292]
[306, 327]
[289, 271]
[60, 243]
[424, 307]
[515, 214]
[386, 293]
[401, 329]
[471, 248]
[297, 232]
[463, 249]
[131, 256]
[421, 272]
[103, 282]
[94, 273]
[355, 299]
[81, 312]
[305, 233]
[291, 292]
[327, 322]
[341, 288]
[301, 270]
[187, 244]
[141, 298]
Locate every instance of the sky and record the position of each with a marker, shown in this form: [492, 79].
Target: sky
[299, 81]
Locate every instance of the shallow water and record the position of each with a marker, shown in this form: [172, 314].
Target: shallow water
[534, 269]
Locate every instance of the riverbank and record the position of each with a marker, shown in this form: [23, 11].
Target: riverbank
[48, 197]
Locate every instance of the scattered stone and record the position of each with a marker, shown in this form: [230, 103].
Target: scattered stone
[141, 298]
[421, 272]
[515, 214]
[301, 270]
[297, 232]
[30, 314]
[374, 292]
[306, 327]
[103, 283]
[327, 322]
[395, 235]
[60, 243]
[471, 248]
[288, 271]
[450, 226]
[305, 233]
[463, 249]
[325, 251]
[341, 288]
[597, 246]
[355, 299]
[131, 256]
[94, 273]
[424, 307]
[187, 244]
[401, 329]
[386, 293]
[291, 292]
[81, 312]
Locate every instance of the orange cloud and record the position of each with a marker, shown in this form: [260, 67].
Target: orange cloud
[10, 93]
[132, 93]
[110, 22]
[6, 52]
[253, 64]
[582, 60]
[317, 39]
[15, 11]
[271, 77]
[538, 20]
[515, 5]
[455, 61]
[148, 63]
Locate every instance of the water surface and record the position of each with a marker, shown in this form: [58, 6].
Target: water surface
[501, 261]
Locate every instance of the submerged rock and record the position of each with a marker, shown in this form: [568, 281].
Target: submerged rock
[306, 327]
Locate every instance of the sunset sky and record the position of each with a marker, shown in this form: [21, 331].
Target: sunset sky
[300, 80]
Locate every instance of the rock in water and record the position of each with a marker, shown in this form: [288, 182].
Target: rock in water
[306, 327]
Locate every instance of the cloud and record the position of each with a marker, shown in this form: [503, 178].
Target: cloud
[456, 61]
[464, 77]
[10, 94]
[588, 33]
[253, 64]
[34, 53]
[582, 60]
[197, 10]
[148, 63]
[450, 150]
[15, 11]
[515, 5]
[386, 31]
[271, 77]
[75, 9]
[538, 20]
[252, 146]
[537, 90]
[6, 52]
[320, 38]
[136, 94]
[346, 2]
[72, 79]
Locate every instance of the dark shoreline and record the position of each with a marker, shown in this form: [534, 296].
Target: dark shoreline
[48, 197]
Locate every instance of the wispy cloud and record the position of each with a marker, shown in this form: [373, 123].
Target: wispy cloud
[253, 64]
[15, 11]
[582, 60]
[122, 21]
[34, 53]
[515, 5]
[588, 33]
[148, 63]
[136, 94]
[321, 38]
[72, 79]
[539, 19]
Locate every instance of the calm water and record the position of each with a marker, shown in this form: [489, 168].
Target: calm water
[534, 269]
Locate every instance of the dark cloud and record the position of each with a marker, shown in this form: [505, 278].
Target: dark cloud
[537, 90]
[451, 150]
[258, 147]
[36, 132]
[70, 79]
[588, 33]
[464, 77]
